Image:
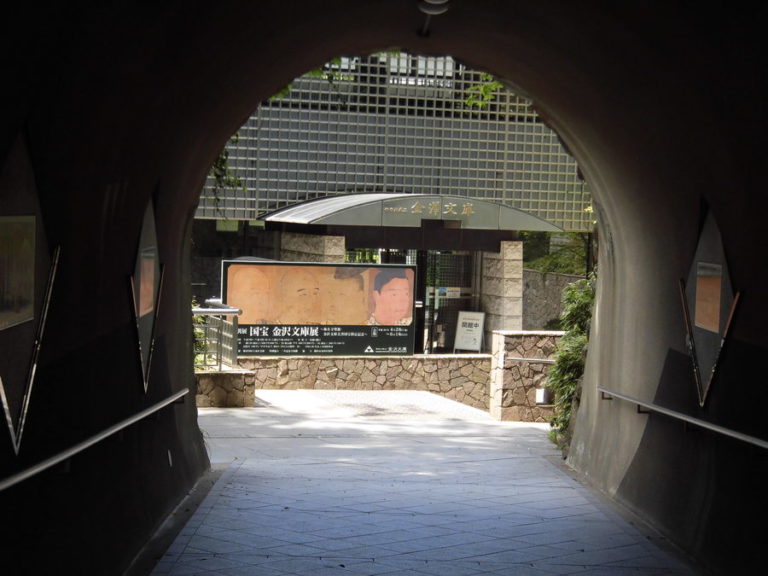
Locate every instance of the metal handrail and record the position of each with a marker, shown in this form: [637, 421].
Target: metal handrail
[223, 311]
[685, 418]
[531, 360]
[216, 323]
[79, 447]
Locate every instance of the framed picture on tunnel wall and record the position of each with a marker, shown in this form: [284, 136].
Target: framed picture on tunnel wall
[17, 270]
[709, 303]
[146, 284]
[325, 309]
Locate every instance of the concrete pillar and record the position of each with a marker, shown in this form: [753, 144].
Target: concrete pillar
[296, 247]
[502, 288]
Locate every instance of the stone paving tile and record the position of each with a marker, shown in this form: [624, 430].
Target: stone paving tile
[314, 489]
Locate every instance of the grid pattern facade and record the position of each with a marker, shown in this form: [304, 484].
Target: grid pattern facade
[399, 123]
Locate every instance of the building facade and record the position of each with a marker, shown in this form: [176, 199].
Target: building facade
[399, 123]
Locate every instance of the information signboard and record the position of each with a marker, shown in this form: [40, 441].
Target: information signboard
[321, 309]
[469, 331]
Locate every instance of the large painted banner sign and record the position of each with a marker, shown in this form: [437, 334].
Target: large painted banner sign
[321, 309]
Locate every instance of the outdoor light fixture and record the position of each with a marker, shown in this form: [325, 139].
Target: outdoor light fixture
[431, 8]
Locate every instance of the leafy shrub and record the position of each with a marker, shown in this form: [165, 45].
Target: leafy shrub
[566, 373]
[569, 255]
[199, 345]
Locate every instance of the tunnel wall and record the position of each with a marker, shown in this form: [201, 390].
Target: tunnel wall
[95, 153]
[662, 104]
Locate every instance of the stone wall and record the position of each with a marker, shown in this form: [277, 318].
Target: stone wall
[502, 288]
[464, 378]
[295, 247]
[506, 383]
[521, 362]
[228, 389]
[543, 297]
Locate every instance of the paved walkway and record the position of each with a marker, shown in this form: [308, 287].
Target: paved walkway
[399, 483]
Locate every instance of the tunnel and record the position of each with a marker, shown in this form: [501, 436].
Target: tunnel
[110, 106]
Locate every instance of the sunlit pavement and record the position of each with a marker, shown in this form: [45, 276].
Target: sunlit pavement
[367, 483]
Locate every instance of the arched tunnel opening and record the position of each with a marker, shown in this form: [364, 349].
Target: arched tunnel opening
[105, 109]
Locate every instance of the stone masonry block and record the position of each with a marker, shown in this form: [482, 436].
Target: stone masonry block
[512, 250]
[505, 287]
[202, 401]
[500, 306]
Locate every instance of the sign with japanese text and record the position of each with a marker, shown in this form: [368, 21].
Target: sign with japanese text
[411, 211]
[469, 331]
[321, 309]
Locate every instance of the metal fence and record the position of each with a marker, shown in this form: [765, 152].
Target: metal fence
[215, 337]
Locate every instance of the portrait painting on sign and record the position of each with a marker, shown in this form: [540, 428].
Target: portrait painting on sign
[307, 294]
[391, 297]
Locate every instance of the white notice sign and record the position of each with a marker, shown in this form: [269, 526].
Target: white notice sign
[451, 292]
[469, 331]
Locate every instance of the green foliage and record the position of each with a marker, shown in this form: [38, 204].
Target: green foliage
[221, 173]
[566, 373]
[362, 255]
[330, 73]
[199, 344]
[282, 93]
[535, 245]
[327, 72]
[568, 256]
[480, 95]
[578, 299]
[564, 381]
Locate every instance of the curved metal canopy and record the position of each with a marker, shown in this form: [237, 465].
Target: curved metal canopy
[408, 210]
